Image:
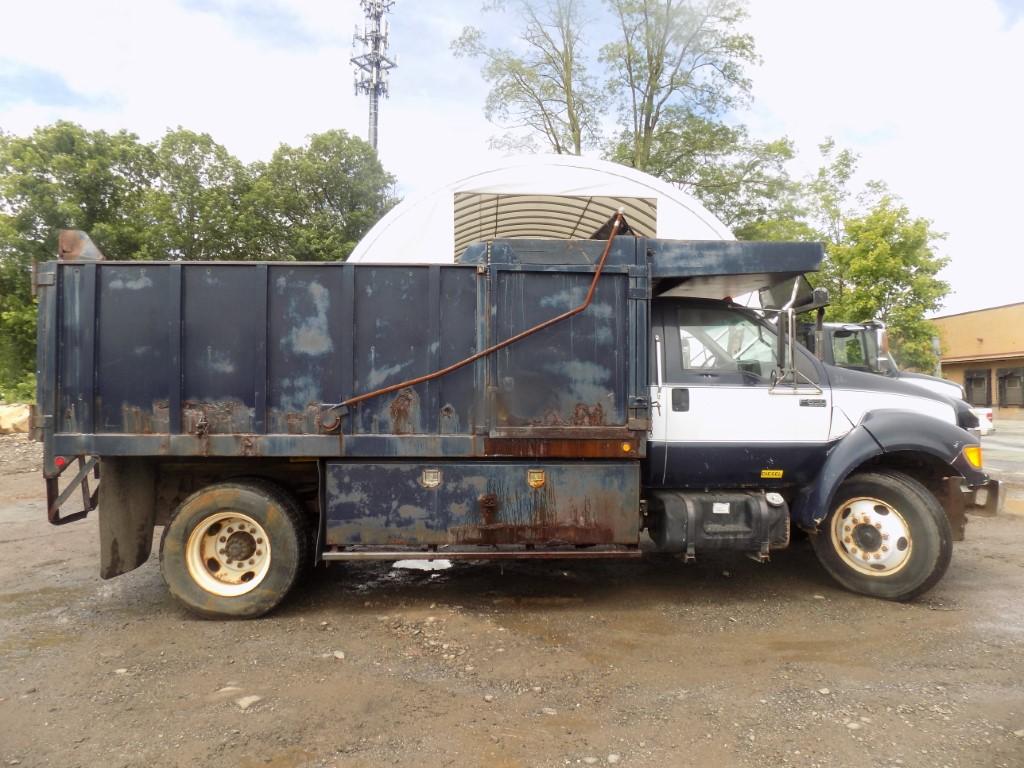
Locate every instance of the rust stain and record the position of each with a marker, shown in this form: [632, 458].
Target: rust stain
[403, 411]
[550, 534]
[216, 418]
[583, 415]
[531, 447]
[488, 508]
[449, 420]
[136, 420]
[551, 523]
[588, 415]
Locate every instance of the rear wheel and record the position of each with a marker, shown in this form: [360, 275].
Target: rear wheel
[886, 536]
[234, 550]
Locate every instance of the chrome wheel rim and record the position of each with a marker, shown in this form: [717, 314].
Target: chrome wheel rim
[871, 536]
[228, 554]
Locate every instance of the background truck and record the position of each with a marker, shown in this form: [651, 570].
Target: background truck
[865, 346]
[535, 399]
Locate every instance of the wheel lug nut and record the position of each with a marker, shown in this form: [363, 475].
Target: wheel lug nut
[885, 549]
[259, 541]
[258, 552]
[251, 562]
[230, 529]
[223, 538]
[878, 526]
[885, 537]
[223, 552]
[848, 540]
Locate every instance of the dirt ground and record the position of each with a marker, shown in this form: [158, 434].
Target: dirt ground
[646, 663]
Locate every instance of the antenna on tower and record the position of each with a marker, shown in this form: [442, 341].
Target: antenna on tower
[372, 62]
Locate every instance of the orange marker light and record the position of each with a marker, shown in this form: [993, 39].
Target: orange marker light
[627, 447]
[973, 455]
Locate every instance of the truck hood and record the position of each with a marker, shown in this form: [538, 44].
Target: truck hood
[932, 383]
[857, 393]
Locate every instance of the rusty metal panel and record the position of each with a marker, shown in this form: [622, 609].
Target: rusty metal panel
[132, 349]
[415, 504]
[391, 340]
[76, 345]
[459, 401]
[307, 323]
[573, 374]
[219, 348]
[228, 357]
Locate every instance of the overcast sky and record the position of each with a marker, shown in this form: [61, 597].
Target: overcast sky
[928, 92]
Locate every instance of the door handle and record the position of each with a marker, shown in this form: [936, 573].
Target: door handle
[680, 399]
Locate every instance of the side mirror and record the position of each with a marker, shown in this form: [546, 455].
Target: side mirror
[794, 292]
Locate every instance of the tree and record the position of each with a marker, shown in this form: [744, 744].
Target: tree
[546, 88]
[680, 55]
[880, 260]
[65, 176]
[195, 206]
[741, 180]
[62, 176]
[885, 267]
[676, 67]
[185, 197]
[315, 202]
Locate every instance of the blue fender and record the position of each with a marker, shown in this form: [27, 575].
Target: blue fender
[886, 430]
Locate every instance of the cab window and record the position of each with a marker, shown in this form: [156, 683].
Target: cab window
[716, 341]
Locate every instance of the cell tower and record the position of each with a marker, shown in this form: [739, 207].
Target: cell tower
[372, 61]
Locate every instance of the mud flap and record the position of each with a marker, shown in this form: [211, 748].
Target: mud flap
[127, 513]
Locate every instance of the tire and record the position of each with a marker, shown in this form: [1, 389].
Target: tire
[234, 549]
[886, 536]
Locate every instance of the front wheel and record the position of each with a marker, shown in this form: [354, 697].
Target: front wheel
[234, 550]
[886, 536]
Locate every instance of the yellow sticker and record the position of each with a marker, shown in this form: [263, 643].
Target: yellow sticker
[771, 474]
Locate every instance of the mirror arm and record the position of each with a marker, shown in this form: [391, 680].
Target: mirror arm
[819, 334]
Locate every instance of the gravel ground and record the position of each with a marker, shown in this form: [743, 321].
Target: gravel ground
[648, 663]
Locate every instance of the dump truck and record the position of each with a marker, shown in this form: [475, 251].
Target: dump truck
[598, 398]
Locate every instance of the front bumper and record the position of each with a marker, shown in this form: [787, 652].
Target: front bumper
[959, 498]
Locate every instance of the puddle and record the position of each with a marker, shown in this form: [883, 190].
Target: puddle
[423, 565]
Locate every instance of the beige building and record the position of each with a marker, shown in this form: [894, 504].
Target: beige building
[984, 351]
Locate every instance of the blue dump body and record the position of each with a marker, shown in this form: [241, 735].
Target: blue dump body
[213, 361]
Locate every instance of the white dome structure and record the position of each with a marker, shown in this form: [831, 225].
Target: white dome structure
[533, 196]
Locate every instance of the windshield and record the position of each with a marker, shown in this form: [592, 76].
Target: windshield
[857, 347]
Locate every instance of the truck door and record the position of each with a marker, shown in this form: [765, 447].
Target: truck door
[718, 421]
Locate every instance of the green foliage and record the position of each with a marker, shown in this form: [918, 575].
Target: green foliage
[682, 56]
[194, 204]
[184, 197]
[884, 266]
[881, 261]
[62, 176]
[314, 203]
[21, 390]
[671, 73]
[743, 181]
[544, 85]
